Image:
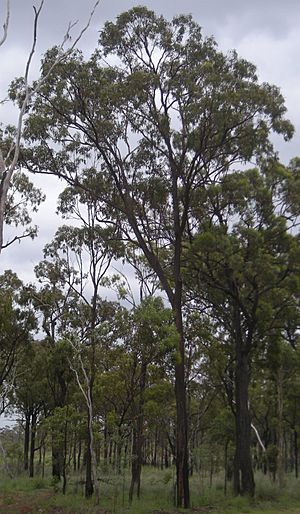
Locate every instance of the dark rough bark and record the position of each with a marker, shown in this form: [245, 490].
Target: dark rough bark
[60, 394]
[296, 452]
[75, 453]
[225, 467]
[64, 467]
[26, 441]
[118, 456]
[280, 461]
[32, 444]
[137, 443]
[182, 466]
[79, 455]
[110, 452]
[154, 450]
[105, 449]
[89, 487]
[135, 472]
[43, 460]
[56, 462]
[166, 457]
[243, 472]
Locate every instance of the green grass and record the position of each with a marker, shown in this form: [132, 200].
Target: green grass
[157, 495]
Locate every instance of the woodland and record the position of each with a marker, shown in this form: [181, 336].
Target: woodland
[157, 348]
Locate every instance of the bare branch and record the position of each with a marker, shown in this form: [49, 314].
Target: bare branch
[35, 26]
[259, 438]
[84, 394]
[6, 23]
[86, 26]
[31, 232]
[16, 144]
[7, 169]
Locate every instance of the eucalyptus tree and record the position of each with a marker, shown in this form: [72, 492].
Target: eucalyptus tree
[244, 265]
[157, 113]
[17, 324]
[52, 301]
[81, 256]
[31, 398]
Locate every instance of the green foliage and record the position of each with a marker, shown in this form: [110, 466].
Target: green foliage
[17, 323]
[22, 195]
[248, 255]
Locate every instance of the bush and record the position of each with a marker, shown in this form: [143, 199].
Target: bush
[266, 490]
[39, 483]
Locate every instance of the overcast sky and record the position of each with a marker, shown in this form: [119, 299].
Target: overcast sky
[265, 32]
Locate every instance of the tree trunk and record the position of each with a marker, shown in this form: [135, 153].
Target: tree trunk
[154, 449]
[225, 467]
[89, 488]
[296, 452]
[243, 472]
[182, 470]
[79, 454]
[119, 445]
[110, 451]
[26, 441]
[137, 443]
[182, 466]
[166, 457]
[43, 460]
[64, 467]
[56, 461]
[105, 450]
[75, 453]
[280, 432]
[32, 444]
[91, 460]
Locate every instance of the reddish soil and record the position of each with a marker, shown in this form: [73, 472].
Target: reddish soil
[21, 503]
[199, 510]
[34, 503]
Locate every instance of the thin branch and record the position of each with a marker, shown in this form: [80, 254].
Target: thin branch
[258, 438]
[6, 23]
[86, 26]
[31, 233]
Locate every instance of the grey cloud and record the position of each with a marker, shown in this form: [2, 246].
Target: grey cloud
[271, 16]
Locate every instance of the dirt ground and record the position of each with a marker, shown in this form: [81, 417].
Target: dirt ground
[24, 503]
[21, 503]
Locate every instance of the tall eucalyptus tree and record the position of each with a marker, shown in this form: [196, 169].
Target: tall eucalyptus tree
[157, 113]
